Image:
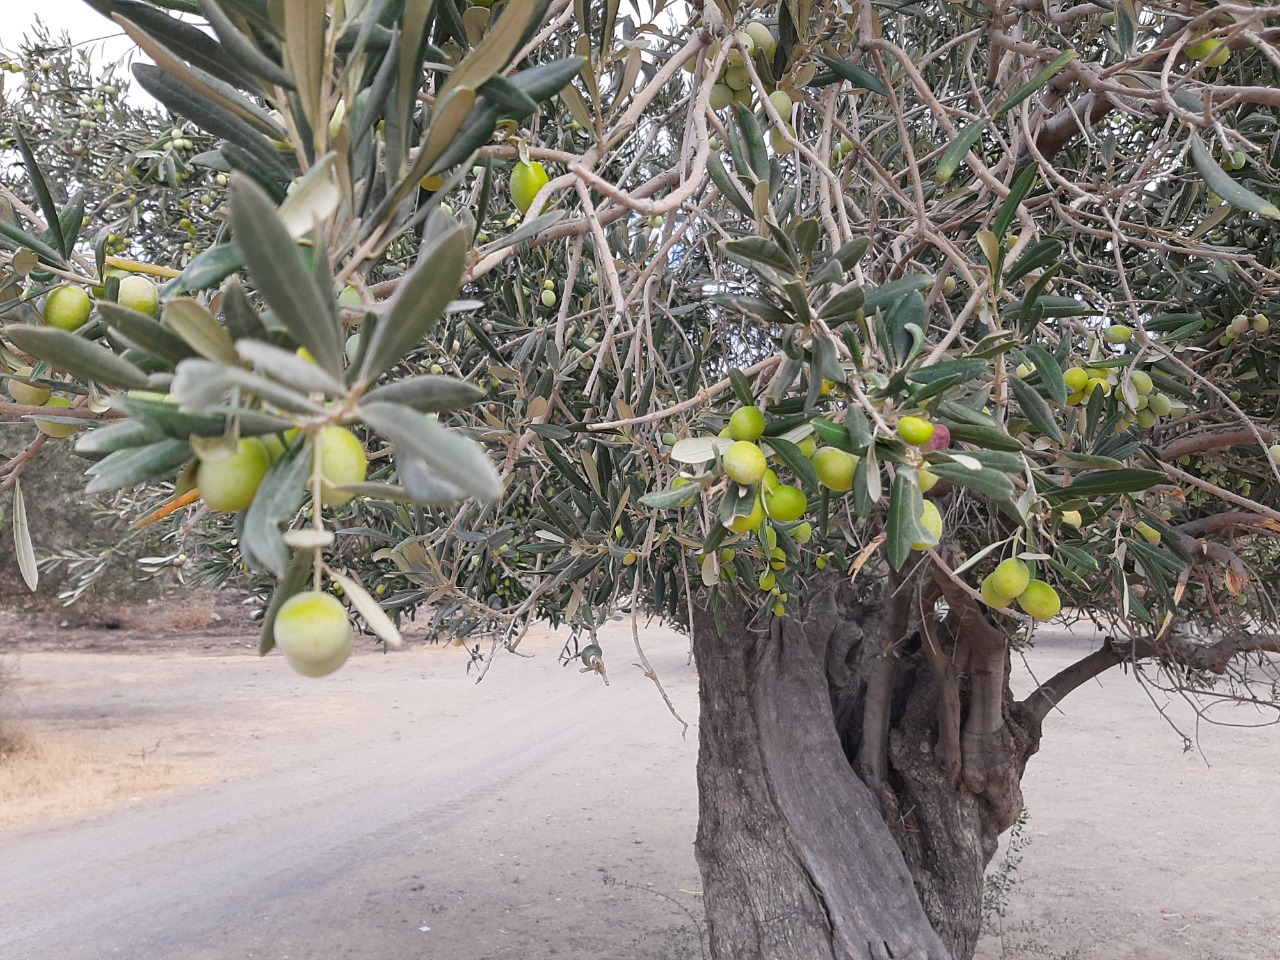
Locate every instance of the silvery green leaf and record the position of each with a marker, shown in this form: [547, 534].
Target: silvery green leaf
[974, 560]
[253, 423]
[670, 498]
[168, 418]
[83, 359]
[202, 383]
[283, 277]
[453, 457]
[139, 330]
[22, 539]
[117, 436]
[699, 449]
[306, 538]
[200, 329]
[527, 231]
[420, 299]
[276, 503]
[287, 366]
[374, 616]
[903, 527]
[125, 468]
[211, 449]
[429, 393]
[422, 484]
[312, 199]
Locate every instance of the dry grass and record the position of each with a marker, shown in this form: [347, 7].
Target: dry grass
[48, 776]
[45, 774]
[194, 613]
[10, 740]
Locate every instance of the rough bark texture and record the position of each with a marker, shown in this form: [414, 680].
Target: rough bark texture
[796, 859]
[855, 772]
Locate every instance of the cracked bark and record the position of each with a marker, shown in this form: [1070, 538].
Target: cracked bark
[797, 863]
[856, 770]
[816, 843]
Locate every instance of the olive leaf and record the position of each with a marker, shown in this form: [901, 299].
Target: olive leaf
[456, 459]
[277, 501]
[421, 298]
[125, 468]
[241, 49]
[143, 332]
[287, 367]
[41, 249]
[282, 277]
[117, 436]
[210, 116]
[41, 188]
[77, 356]
[23, 548]
[429, 393]
[903, 529]
[374, 616]
[205, 270]
[199, 383]
[312, 199]
[1226, 186]
[304, 43]
[198, 327]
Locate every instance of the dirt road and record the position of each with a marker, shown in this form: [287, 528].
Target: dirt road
[397, 810]
[394, 810]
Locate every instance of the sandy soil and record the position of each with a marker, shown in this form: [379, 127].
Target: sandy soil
[398, 810]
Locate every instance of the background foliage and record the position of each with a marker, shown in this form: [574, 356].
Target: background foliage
[958, 193]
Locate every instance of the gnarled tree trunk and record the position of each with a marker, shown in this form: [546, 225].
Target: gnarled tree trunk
[855, 772]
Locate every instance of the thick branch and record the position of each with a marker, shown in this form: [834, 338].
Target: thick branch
[873, 750]
[1050, 693]
[10, 410]
[966, 621]
[984, 734]
[949, 705]
[1214, 657]
[1192, 443]
[1070, 122]
[1235, 520]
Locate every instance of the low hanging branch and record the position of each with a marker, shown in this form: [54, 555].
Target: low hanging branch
[1212, 657]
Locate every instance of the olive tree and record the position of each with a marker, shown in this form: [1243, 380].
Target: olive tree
[128, 164]
[855, 340]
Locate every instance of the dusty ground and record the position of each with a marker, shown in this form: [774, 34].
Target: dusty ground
[195, 801]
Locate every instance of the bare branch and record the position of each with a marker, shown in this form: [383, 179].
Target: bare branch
[1216, 438]
[1213, 657]
[1050, 693]
[1234, 521]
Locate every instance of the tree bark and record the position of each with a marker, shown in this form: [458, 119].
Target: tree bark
[797, 863]
[852, 784]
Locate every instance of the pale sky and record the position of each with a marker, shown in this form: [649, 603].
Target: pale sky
[80, 21]
[74, 16]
